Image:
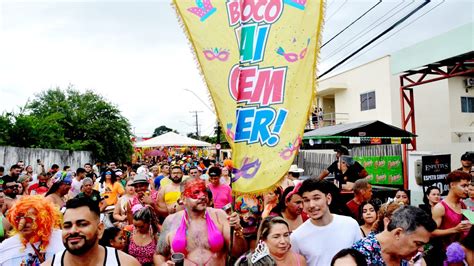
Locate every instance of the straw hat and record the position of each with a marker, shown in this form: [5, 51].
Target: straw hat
[294, 169]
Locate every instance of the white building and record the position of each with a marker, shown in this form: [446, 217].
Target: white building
[444, 109]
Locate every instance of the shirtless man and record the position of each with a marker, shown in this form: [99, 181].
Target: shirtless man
[200, 232]
[10, 188]
[169, 195]
[58, 190]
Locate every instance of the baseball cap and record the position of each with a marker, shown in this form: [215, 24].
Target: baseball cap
[466, 156]
[342, 149]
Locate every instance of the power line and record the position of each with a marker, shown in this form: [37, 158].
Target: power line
[337, 10]
[391, 35]
[329, 4]
[368, 29]
[357, 19]
[377, 37]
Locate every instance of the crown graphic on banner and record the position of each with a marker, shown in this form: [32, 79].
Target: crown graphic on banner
[203, 9]
[296, 3]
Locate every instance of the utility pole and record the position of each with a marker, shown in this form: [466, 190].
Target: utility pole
[197, 121]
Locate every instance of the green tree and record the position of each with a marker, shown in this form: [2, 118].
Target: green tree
[162, 130]
[70, 120]
[6, 124]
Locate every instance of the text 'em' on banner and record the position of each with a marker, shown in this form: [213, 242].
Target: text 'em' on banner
[258, 59]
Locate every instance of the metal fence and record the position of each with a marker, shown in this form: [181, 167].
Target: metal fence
[377, 150]
[11, 155]
[315, 161]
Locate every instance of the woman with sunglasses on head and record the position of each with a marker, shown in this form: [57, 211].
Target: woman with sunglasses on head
[110, 188]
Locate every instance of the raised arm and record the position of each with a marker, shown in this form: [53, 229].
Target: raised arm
[117, 215]
[240, 244]
[324, 174]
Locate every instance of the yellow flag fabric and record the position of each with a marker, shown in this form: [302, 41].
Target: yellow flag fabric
[258, 59]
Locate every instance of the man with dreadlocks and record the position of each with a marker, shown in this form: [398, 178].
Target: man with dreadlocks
[36, 234]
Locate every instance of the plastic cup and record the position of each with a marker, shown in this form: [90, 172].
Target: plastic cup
[178, 259]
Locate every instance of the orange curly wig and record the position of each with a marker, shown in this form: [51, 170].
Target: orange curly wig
[48, 218]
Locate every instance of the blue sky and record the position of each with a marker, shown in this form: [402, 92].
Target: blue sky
[135, 54]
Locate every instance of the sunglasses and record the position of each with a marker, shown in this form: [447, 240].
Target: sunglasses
[28, 219]
[12, 186]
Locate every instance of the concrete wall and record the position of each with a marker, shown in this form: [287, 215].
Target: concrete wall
[11, 155]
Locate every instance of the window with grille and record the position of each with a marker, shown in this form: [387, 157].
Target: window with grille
[367, 101]
[467, 104]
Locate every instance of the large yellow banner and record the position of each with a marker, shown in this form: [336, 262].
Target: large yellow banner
[258, 59]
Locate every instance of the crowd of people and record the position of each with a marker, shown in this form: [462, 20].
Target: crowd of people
[180, 210]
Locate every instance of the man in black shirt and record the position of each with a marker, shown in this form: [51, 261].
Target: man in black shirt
[466, 163]
[87, 191]
[352, 170]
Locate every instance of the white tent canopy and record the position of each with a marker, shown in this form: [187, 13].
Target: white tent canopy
[171, 139]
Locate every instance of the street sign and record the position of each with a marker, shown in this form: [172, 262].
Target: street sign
[218, 146]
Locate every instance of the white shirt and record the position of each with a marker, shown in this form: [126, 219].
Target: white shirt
[319, 244]
[12, 252]
[75, 188]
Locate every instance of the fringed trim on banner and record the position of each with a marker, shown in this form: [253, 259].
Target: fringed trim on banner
[322, 11]
[260, 192]
[185, 29]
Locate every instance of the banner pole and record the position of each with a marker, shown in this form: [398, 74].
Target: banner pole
[229, 256]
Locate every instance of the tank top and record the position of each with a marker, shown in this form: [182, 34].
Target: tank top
[144, 254]
[451, 219]
[111, 257]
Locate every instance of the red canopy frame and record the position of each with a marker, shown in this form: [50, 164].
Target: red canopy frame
[462, 65]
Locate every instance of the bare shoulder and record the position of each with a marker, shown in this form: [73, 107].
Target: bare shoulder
[438, 210]
[126, 259]
[217, 213]
[171, 221]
